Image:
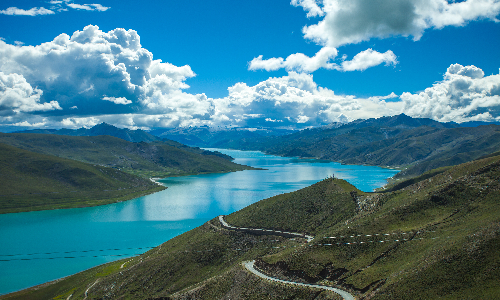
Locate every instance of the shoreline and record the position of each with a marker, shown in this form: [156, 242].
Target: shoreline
[53, 281]
[92, 203]
[89, 203]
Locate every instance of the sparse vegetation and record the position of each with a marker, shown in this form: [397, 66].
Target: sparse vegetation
[413, 145]
[159, 159]
[32, 181]
[432, 238]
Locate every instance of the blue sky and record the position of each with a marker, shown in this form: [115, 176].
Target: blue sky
[292, 64]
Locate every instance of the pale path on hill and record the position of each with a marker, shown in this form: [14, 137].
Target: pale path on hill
[249, 265]
[265, 231]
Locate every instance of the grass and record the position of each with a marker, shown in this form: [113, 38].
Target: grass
[159, 159]
[30, 181]
[46, 171]
[458, 224]
[440, 239]
[237, 283]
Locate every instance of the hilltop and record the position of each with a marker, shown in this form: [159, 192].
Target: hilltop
[135, 136]
[48, 171]
[32, 181]
[158, 159]
[413, 145]
[434, 238]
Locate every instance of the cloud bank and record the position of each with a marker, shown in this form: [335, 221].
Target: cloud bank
[99, 73]
[324, 59]
[35, 11]
[354, 21]
[56, 6]
[94, 76]
[465, 94]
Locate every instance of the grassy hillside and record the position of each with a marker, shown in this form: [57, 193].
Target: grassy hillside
[414, 145]
[434, 238]
[102, 129]
[32, 181]
[450, 223]
[414, 150]
[160, 159]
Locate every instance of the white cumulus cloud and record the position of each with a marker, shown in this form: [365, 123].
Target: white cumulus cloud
[271, 64]
[90, 7]
[56, 6]
[324, 59]
[297, 62]
[103, 73]
[464, 94]
[35, 11]
[312, 8]
[119, 100]
[89, 65]
[294, 100]
[17, 95]
[354, 21]
[369, 58]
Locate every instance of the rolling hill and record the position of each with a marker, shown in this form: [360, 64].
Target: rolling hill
[158, 159]
[436, 237]
[134, 136]
[414, 145]
[32, 181]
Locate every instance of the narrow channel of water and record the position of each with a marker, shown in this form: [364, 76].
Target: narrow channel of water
[37, 247]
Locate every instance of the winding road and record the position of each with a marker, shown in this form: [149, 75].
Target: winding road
[260, 231]
[249, 265]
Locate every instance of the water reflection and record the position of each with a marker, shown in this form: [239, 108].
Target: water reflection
[148, 221]
[206, 196]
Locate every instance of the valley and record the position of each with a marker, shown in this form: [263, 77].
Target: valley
[431, 233]
[47, 171]
[413, 145]
[298, 150]
[434, 238]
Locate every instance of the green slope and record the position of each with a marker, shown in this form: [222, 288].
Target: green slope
[451, 221]
[160, 159]
[32, 181]
[102, 129]
[414, 145]
[414, 150]
[434, 239]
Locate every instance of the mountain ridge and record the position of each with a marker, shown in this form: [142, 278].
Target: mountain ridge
[414, 145]
[135, 136]
[435, 238]
[31, 181]
[159, 159]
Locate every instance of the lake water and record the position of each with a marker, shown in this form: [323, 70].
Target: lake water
[37, 247]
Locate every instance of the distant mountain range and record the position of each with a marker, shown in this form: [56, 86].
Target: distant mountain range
[205, 136]
[243, 138]
[135, 136]
[414, 145]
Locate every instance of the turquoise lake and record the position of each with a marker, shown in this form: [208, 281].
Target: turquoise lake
[37, 247]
